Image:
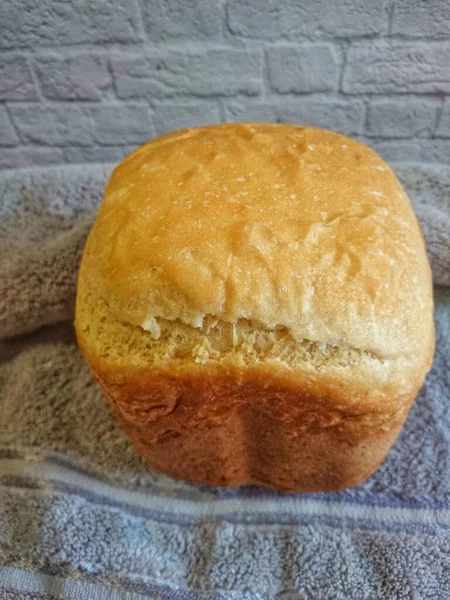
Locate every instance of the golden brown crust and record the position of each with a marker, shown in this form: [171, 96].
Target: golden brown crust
[283, 282]
[243, 429]
[281, 225]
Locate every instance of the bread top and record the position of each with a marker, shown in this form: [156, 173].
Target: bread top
[279, 225]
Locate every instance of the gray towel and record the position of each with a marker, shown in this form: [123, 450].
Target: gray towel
[82, 517]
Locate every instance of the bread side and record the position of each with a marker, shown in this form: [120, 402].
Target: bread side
[255, 301]
[225, 423]
[230, 430]
[233, 405]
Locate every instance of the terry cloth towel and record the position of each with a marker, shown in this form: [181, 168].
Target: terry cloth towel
[82, 517]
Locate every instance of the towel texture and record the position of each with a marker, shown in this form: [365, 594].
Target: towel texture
[81, 516]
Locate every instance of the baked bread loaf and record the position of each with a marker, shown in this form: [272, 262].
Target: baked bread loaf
[256, 303]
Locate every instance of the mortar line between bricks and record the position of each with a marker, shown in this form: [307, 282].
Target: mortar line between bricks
[222, 112]
[227, 29]
[271, 96]
[224, 44]
[113, 79]
[27, 50]
[336, 95]
[438, 39]
[365, 124]
[36, 81]
[344, 51]
[223, 20]
[141, 19]
[16, 129]
[146, 44]
[438, 117]
[391, 16]
[93, 104]
[265, 78]
[253, 101]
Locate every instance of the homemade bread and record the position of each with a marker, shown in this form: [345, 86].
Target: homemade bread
[256, 303]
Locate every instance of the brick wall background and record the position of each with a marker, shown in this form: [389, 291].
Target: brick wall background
[88, 80]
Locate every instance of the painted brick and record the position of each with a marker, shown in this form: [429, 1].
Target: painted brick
[221, 72]
[172, 116]
[401, 117]
[28, 156]
[300, 69]
[182, 19]
[16, 80]
[61, 125]
[248, 110]
[121, 124]
[77, 77]
[443, 128]
[201, 54]
[291, 19]
[8, 136]
[81, 125]
[428, 151]
[46, 22]
[336, 114]
[417, 18]
[380, 67]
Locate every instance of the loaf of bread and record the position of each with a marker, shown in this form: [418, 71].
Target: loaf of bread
[256, 303]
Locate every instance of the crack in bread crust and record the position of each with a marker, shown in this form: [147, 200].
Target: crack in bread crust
[218, 342]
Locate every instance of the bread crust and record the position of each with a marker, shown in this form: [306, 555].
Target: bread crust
[230, 425]
[284, 345]
[282, 225]
[242, 428]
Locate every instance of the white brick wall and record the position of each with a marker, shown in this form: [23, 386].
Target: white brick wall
[88, 81]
